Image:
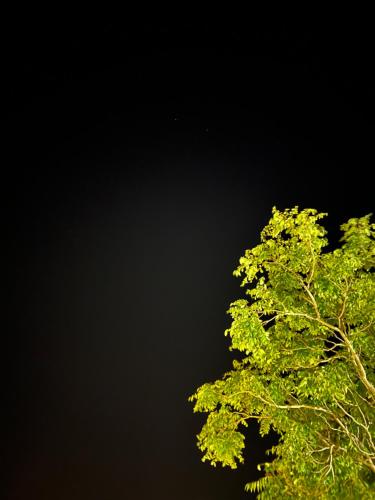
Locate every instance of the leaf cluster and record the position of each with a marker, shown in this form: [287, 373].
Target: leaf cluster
[305, 334]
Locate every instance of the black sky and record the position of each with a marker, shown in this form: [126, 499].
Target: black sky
[139, 162]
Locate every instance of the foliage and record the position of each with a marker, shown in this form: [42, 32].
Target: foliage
[306, 334]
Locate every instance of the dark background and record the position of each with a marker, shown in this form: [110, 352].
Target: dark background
[139, 161]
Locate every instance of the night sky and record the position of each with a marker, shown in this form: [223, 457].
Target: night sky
[138, 164]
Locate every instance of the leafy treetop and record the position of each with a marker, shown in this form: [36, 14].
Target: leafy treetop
[306, 334]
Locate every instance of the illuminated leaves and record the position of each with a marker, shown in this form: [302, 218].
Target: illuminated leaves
[306, 337]
[220, 440]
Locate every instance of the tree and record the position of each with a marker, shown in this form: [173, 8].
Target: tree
[306, 334]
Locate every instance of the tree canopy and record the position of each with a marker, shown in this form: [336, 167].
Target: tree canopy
[306, 370]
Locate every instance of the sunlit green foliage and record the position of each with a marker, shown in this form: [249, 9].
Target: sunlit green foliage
[306, 334]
